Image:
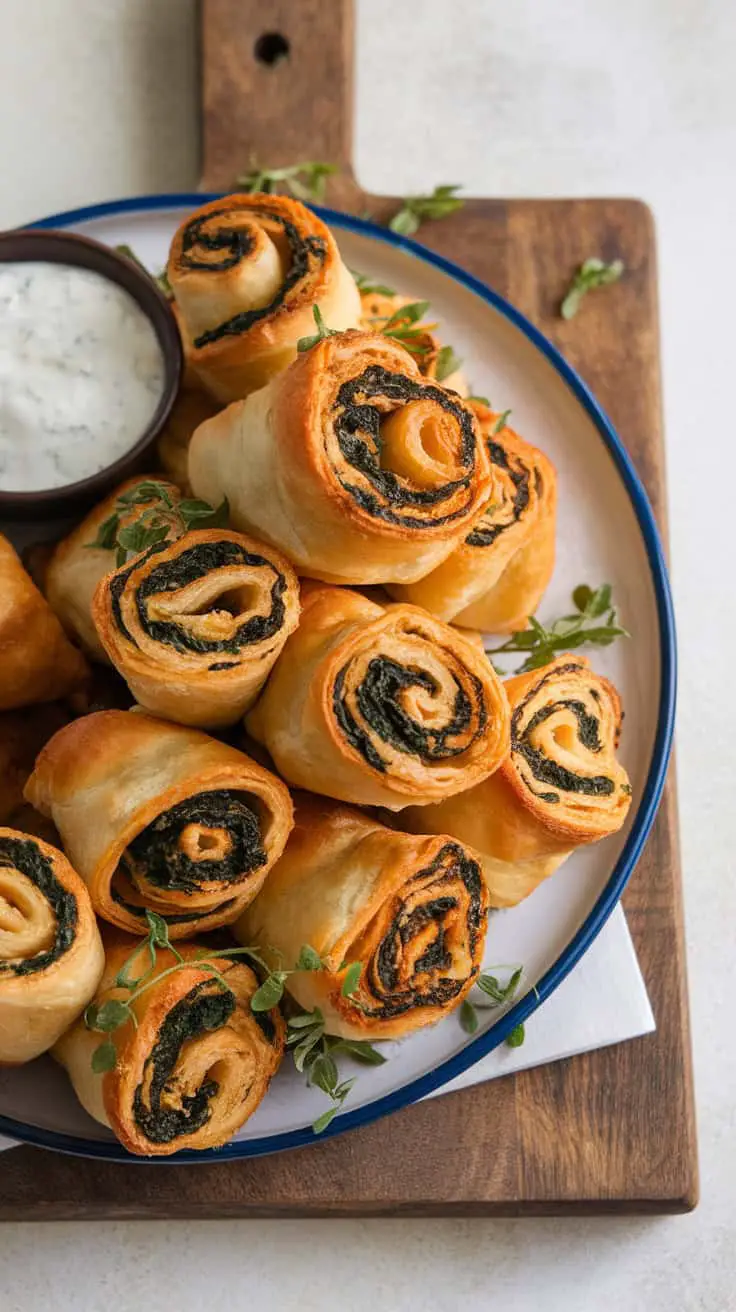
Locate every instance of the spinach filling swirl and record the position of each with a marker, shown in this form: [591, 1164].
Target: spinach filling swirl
[217, 234]
[209, 838]
[357, 426]
[429, 949]
[25, 856]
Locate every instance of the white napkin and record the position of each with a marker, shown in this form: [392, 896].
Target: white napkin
[584, 1013]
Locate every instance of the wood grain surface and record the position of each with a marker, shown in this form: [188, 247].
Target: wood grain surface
[611, 1131]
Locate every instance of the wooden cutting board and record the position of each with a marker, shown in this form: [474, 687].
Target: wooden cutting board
[611, 1131]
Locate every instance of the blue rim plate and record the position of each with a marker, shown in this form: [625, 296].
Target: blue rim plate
[652, 791]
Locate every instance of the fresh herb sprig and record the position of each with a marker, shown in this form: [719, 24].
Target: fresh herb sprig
[161, 278]
[592, 273]
[447, 363]
[481, 400]
[306, 181]
[323, 332]
[367, 287]
[115, 1012]
[499, 994]
[501, 422]
[415, 209]
[156, 521]
[593, 623]
[314, 1052]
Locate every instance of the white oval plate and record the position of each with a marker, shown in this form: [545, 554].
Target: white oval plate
[606, 534]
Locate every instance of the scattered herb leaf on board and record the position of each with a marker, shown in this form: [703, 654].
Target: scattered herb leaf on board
[306, 181]
[154, 524]
[593, 623]
[592, 273]
[415, 209]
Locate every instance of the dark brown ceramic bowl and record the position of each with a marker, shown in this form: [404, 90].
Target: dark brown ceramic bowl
[68, 248]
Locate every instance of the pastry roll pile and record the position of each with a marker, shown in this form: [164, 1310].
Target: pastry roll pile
[156, 816]
[560, 786]
[193, 1069]
[381, 706]
[51, 955]
[246, 271]
[195, 626]
[411, 910]
[78, 564]
[350, 462]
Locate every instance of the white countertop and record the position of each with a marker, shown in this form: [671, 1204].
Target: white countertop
[99, 100]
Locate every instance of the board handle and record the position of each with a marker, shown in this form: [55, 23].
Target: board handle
[277, 86]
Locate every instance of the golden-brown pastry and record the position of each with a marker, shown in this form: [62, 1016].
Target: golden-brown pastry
[195, 1067]
[498, 575]
[380, 706]
[560, 787]
[356, 467]
[378, 308]
[51, 955]
[37, 661]
[246, 272]
[157, 816]
[77, 566]
[196, 625]
[191, 408]
[411, 910]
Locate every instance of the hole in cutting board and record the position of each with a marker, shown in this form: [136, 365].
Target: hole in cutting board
[271, 48]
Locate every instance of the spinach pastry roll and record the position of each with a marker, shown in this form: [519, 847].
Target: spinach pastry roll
[51, 955]
[37, 661]
[380, 706]
[157, 816]
[411, 910]
[246, 271]
[561, 785]
[195, 626]
[498, 575]
[350, 462]
[195, 1067]
[78, 563]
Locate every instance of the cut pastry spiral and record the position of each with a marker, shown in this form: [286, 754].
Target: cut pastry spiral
[498, 576]
[411, 910]
[246, 272]
[161, 817]
[51, 954]
[561, 785]
[194, 1068]
[350, 462]
[195, 626]
[77, 565]
[381, 707]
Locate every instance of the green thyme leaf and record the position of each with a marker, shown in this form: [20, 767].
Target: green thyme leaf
[104, 1057]
[405, 316]
[111, 1015]
[306, 343]
[361, 1050]
[305, 1019]
[325, 1119]
[136, 537]
[468, 1017]
[581, 628]
[323, 1072]
[592, 273]
[107, 534]
[306, 181]
[516, 1037]
[200, 514]
[270, 992]
[500, 423]
[447, 363]
[308, 959]
[482, 400]
[148, 490]
[367, 287]
[415, 209]
[352, 978]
